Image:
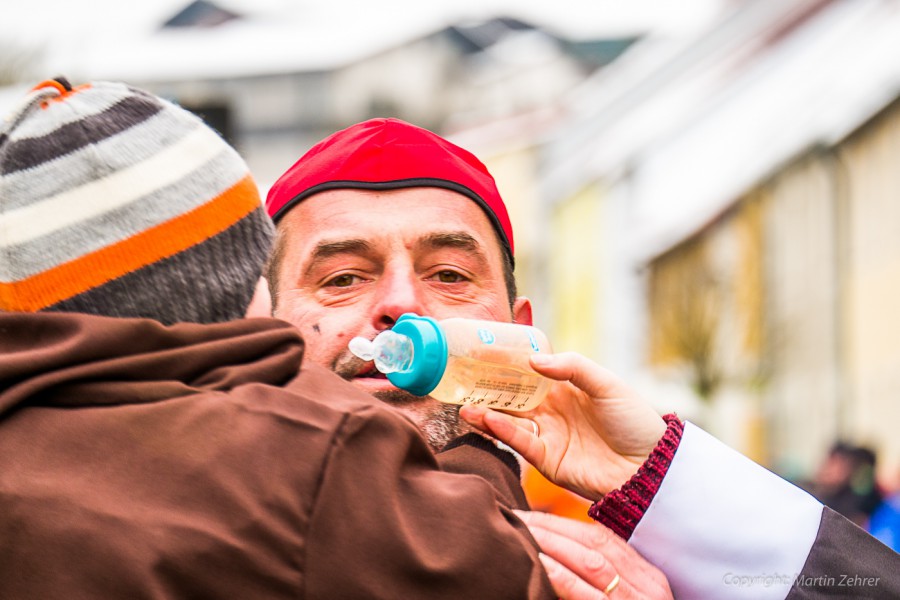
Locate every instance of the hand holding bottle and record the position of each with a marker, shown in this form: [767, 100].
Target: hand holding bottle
[592, 432]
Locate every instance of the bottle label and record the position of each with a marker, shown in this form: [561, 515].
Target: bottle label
[488, 364]
[501, 394]
[486, 336]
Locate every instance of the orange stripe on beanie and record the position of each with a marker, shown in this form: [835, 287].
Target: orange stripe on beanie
[149, 246]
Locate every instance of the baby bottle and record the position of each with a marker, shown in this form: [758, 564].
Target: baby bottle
[460, 361]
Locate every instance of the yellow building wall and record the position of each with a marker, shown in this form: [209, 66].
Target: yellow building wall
[683, 311]
[514, 171]
[705, 298]
[807, 312]
[577, 272]
[706, 330]
[802, 314]
[872, 161]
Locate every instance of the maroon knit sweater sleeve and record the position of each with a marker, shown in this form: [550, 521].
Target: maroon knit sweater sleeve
[622, 509]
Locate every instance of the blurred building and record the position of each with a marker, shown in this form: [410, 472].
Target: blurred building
[719, 223]
[274, 79]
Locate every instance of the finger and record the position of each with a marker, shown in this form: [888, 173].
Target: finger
[582, 372]
[566, 584]
[474, 416]
[637, 573]
[591, 535]
[588, 563]
[518, 433]
[633, 425]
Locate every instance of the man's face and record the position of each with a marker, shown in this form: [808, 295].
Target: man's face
[355, 260]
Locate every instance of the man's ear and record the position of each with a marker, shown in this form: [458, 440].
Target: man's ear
[522, 311]
[261, 304]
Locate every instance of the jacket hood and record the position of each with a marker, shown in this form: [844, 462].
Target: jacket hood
[72, 360]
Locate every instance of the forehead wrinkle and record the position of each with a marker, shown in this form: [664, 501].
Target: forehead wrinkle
[326, 249]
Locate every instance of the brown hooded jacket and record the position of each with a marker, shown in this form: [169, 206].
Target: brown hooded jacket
[191, 461]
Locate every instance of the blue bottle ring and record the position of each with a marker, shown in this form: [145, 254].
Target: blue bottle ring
[429, 354]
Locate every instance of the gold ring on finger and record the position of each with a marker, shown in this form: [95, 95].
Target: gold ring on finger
[612, 585]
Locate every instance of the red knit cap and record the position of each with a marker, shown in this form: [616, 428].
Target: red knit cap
[387, 154]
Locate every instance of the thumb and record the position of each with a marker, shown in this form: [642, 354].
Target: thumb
[516, 432]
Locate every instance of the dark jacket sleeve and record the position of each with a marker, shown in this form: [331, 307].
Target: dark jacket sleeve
[847, 562]
[405, 529]
[474, 454]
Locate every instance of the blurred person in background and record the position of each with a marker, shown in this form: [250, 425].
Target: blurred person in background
[156, 444]
[385, 218]
[845, 482]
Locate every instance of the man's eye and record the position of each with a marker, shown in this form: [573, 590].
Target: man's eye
[345, 280]
[449, 277]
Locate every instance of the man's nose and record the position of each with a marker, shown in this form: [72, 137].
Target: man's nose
[398, 293]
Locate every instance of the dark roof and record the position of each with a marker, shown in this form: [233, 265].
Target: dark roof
[201, 13]
[475, 37]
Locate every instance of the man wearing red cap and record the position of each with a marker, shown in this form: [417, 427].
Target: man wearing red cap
[385, 218]
[378, 220]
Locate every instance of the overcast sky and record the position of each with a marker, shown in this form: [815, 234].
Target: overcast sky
[121, 39]
[577, 17]
[30, 23]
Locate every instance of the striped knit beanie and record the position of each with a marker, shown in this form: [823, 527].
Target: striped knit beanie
[116, 202]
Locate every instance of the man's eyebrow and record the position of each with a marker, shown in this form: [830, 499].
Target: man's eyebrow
[326, 249]
[453, 239]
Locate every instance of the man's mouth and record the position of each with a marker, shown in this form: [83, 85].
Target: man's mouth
[368, 371]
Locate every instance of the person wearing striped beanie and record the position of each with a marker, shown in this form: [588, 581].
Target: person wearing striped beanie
[153, 443]
[117, 202]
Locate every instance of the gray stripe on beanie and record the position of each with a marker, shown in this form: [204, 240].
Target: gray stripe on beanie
[210, 282]
[30, 152]
[88, 164]
[199, 187]
[75, 107]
